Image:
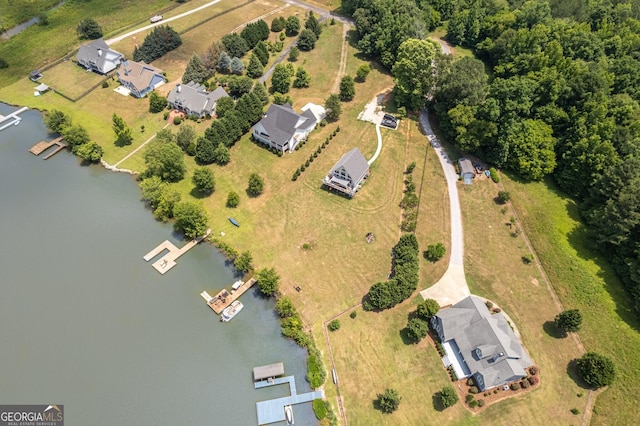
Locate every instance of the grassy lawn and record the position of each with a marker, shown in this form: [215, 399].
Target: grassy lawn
[584, 281]
[14, 14]
[69, 78]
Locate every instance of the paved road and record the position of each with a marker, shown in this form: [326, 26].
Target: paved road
[164, 21]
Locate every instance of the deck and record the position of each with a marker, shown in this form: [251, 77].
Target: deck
[272, 410]
[223, 299]
[42, 146]
[168, 261]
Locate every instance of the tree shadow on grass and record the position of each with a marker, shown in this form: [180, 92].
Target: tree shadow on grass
[550, 328]
[572, 371]
[198, 194]
[436, 400]
[406, 338]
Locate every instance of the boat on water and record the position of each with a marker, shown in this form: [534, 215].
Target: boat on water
[234, 222]
[288, 412]
[231, 311]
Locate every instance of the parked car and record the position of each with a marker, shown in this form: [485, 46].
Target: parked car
[155, 19]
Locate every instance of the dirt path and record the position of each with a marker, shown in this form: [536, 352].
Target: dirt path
[343, 59]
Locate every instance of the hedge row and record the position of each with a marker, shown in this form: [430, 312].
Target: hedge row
[313, 156]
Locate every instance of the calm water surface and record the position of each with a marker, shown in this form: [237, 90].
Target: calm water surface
[85, 322]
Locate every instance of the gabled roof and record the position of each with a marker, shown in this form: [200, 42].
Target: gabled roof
[354, 164]
[281, 122]
[486, 341]
[139, 74]
[466, 166]
[194, 97]
[319, 112]
[97, 53]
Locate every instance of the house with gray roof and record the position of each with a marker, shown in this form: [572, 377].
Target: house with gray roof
[282, 128]
[194, 99]
[467, 172]
[97, 57]
[479, 344]
[139, 78]
[349, 173]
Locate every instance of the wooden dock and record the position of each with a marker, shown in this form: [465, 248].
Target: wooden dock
[273, 410]
[223, 299]
[42, 146]
[168, 261]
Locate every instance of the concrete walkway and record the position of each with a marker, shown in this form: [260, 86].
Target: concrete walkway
[452, 287]
[377, 153]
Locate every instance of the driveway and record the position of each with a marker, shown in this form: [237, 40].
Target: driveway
[452, 287]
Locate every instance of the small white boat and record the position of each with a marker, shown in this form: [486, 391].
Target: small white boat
[288, 412]
[231, 311]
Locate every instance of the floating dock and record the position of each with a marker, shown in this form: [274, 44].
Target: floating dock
[13, 116]
[223, 299]
[168, 261]
[273, 410]
[42, 146]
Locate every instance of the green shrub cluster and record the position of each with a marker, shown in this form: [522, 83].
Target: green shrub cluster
[494, 175]
[158, 42]
[225, 248]
[316, 373]
[313, 156]
[319, 408]
[404, 278]
[409, 202]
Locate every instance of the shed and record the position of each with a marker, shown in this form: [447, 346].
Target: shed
[268, 371]
[40, 89]
[35, 75]
[467, 172]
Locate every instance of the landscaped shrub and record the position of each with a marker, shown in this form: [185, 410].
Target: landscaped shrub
[177, 120]
[524, 384]
[473, 390]
[473, 404]
[494, 175]
[533, 371]
[315, 370]
[353, 314]
[489, 304]
[334, 325]
[514, 386]
[469, 381]
[575, 411]
[469, 398]
[481, 403]
[410, 167]
[532, 380]
[319, 408]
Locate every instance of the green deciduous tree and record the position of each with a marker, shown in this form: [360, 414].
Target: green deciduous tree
[191, 218]
[256, 185]
[307, 40]
[389, 401]
[88, 29]
[195, 71]
[294, 53]
[532, 153]
[277, 24]
[427, 309]
[313, 25]
[569, 321]
[152, 188]
[90, 151]
[596, 370]
[333, 107]
[203, 180]
[284, 307]
[157, 103]
[186, 136]
[268, 281]
[224, 105]
[435, 252]
[363, 72]
[448, 397]
[280, 79]
[303, 79]
[347, 88]
[292, 25]
[75, 136]
[164, 160]
[417, 329]
[235, 45]
[167, 201]
[221, 155]
[239, 85]
[243, 263]
[122, 131]
[56, 121]
[233, 199]
[413, 73]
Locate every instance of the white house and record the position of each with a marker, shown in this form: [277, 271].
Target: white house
[282, 128]
[97, 57]
[349, 173]
[194, 99]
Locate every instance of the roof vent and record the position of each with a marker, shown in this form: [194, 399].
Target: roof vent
[178, 87]
[99, 52]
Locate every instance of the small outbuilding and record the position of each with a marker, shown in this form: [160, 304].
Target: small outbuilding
[467, 171]
[268, 371]
[35, 75]
[40, 89]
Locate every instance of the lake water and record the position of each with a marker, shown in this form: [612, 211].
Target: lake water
[86, 322]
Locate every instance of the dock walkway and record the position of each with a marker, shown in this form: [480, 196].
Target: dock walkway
[168, 261]
[14, 115]
[42, 146]
[272, 411]
[223, 299]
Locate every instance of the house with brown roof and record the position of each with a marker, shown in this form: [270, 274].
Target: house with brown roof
[139, 78]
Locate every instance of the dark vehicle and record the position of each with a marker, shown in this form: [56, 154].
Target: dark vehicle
[389, 120]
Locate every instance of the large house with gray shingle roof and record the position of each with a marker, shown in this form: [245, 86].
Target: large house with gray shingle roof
[194, 99]
[139, 78]
[282, 128]
[97, 57]
[349, 173]
[480, 344]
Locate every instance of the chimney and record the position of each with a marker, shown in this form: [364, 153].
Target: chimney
[178, 87]
[99, 52]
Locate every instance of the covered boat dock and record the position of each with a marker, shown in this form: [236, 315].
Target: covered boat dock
[268, 371]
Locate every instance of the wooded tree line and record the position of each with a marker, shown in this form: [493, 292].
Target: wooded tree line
[547, 96]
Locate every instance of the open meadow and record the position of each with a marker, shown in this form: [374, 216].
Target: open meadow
[315, 239]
